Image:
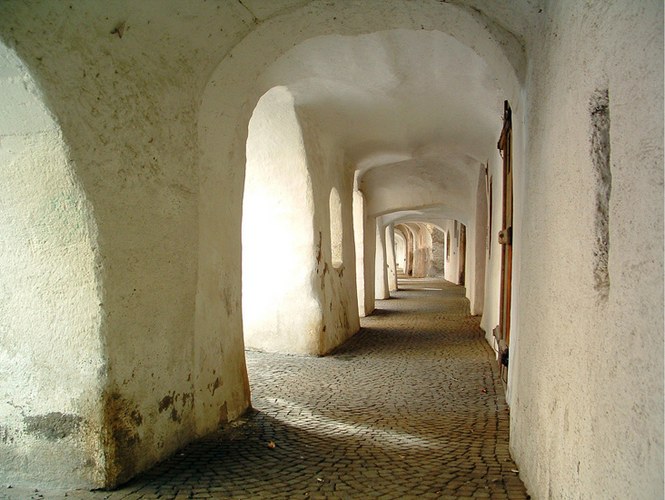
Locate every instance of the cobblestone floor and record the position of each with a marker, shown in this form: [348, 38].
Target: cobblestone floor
[411, 406]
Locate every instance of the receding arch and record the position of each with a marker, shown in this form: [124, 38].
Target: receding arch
[280, 308]
[400, 250]
[336, 229]
[227, 103]
[52, 361]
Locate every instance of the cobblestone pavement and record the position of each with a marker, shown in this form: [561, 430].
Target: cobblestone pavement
[411, 406]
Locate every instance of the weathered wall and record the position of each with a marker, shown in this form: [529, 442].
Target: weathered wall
[335, 278]
[297, 297]
[477, 243]
[587, 380]
[129, 117]
[422, 251]
[52, 359]
[452, 253]
[438, 252]
[369, 237]
[391, 257]
[408, 249]
[492, 252]
[480, 241]
[365, 300]
[400, 251]
[381, 290]
[156, 126]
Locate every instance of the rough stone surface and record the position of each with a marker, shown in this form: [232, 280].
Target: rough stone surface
[412, 406]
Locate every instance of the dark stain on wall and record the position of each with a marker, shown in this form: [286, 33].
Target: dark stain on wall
[121, 438]
[319, 249]
[228, 304]
[165, 403]
[223, 414]
[215, 385]
[52, 426]
[599, 109]
[186, 399]
[6, 436]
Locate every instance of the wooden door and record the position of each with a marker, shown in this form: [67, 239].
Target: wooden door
[506, 233]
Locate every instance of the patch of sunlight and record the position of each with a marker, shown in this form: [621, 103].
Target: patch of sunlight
[322, 425]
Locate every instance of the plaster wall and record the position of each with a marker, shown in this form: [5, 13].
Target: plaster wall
[128, 116]
[400, 250]
[479, 245]
[390, 256]
[492, 251]
[381, 290]
[369, 261]
[452, 254]
[438, 252]
[156, 140]
[334, 280]
[359, 241]
[422, 252]
[297, 301]
[474, 265]
[52, 358]
[407, 233]
[587, 381]
[408, 248]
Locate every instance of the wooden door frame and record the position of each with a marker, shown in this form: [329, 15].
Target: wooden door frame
[462, 255]
[506, 234]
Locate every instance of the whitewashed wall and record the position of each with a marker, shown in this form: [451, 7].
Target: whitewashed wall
[587, 384]
[52, 359]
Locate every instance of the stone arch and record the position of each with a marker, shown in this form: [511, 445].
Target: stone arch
[280, 308]
[422, 248]
[52, 355]
[400, 250]
[227, 102]
[336, 228]
[408, 235]
[443, 217]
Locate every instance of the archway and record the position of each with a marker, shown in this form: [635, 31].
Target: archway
[324, 64]
[400, 250]
[280, 307]
[336, 229]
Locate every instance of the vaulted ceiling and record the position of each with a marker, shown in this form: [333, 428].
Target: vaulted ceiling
[416, 113]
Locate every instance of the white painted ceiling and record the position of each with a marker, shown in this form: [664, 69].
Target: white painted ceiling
[415, 113]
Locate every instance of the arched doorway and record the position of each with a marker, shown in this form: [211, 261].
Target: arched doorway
[279, 250]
